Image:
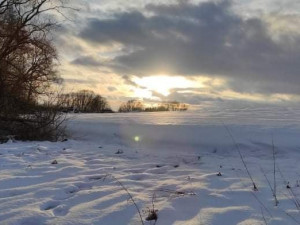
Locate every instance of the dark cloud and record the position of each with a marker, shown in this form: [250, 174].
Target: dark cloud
[188, 97]
[124, 28]
[128, 80]
[208, 38]
[92, 83]
[281, 85]
[87, 61]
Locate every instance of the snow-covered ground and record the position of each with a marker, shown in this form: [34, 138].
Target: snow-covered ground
[167, 160]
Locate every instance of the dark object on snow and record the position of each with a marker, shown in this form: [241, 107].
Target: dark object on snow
[176, 166]
[64, 140]
[288, 185]
[54, 162]
[96, 178]
[100, 147]
[158, 166]
[119, 151]
[199, 157]
[152, 215]
[219, 174]
[254, 187]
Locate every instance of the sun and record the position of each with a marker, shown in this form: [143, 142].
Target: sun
[162, 84]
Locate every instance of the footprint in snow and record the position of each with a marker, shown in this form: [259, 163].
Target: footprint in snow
[72, 189]
[49, 205]
[96, 178]
[61, 210]
[83, 186]
[57, 209]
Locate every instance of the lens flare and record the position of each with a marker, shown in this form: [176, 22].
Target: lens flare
[136, 138]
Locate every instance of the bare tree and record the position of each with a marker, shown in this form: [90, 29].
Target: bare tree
[27, 56]
[132, 106]
[138, 106]
[84, 101]
[28, 60]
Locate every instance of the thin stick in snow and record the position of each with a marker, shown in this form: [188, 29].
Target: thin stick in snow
[274, 173]
[293, 218]
[267, 179]
[256, 197]
[130, 196]
[263, 216]
[241, 156]
[293, 195]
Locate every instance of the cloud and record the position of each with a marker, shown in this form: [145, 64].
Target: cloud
[111, 89]
[207, 38]
[79, 81]
[87, 61]
[128, 80]
[192, 98]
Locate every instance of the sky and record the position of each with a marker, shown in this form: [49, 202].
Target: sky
[190, 51]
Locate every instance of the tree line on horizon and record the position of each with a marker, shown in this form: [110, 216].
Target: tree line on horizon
[86, 101]
[139, 106]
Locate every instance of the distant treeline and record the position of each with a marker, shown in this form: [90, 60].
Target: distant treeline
[138, 106]
[84, 101]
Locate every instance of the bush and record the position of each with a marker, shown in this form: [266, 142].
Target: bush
[40, 122]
